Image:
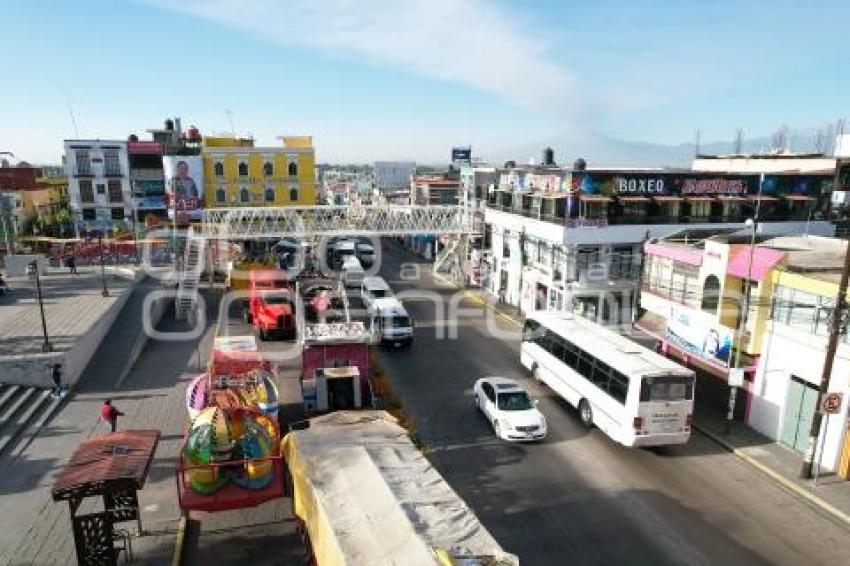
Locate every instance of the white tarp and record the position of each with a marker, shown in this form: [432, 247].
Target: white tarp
[369, 496]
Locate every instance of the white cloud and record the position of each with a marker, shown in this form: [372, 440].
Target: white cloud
[470, 42]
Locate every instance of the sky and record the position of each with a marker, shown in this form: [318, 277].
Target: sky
[381, 79]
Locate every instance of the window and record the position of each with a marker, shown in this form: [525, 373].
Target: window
[243, 169]
[101, 188]
[111, 163]
[293, 169]
[506, 246]
[83, 163]
[86, 191]
[118, 213]
[585, 364]
[268, 169]
[530, 330]
[218, 169]
[220, 195]
[599, 375]
[618, 386]
[89, 214]
[571, 355]
[700, 208]
[115, 193]
[293, 194]
[244, 195]
[269, 194]
[667, 388]
[488, 391]
[710, 294]
[556, 345]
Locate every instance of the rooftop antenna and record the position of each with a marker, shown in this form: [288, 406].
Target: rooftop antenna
[73, 119]
[739, 141]
[230, 119]
[697, 143]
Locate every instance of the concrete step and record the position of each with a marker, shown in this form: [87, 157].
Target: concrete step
[19, 403]
[7, 393]
[11, 430]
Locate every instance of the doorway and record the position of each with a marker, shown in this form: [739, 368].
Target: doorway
[800, 403]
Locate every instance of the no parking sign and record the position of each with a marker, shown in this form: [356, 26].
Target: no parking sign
[832, 403]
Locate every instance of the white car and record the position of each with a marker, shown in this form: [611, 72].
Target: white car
[509, 409]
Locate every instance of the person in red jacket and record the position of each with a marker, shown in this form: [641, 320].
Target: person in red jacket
[110, 414]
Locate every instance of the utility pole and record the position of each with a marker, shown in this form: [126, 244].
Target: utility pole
[837, 323]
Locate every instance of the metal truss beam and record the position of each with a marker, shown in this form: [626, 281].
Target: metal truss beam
[388, 220]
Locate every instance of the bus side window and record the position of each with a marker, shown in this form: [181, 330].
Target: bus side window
[556, 345]
[618, 386]
[585, 364]
[570, 355]
[600, 374]
[529, 332]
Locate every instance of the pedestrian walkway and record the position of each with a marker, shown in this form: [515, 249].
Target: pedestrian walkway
[34, 529]
[72, 304]
[779, 462]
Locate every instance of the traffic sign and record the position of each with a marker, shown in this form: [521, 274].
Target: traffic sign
[832, 403]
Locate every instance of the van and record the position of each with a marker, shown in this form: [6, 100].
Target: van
[374, 288]
[366, 254]
[352, 272]
[390, 322]
[341, 250]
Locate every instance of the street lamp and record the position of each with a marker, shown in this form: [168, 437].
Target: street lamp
[105, 291]
[45, 347]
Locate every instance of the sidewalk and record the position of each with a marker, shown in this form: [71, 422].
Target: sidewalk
[831, 493]
[36, 530]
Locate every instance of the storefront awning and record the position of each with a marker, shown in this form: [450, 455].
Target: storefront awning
[799, 197]
[594, 198]
[763, 198]
[701, 199]
[730, 197]
[633, 199]
[667, 198]
[764, 259]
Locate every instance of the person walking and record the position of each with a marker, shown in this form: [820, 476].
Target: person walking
[57, 380]
[110, 414]
[72, 263]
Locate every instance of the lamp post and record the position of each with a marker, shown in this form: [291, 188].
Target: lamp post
[46, 346]
[105, 291]
[742, 325]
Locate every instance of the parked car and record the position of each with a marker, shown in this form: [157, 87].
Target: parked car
[366, 254]
[509, 409]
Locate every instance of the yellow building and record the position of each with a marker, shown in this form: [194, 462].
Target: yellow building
[238, 174]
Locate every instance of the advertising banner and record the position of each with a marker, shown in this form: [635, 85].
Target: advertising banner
[462, 155]
[613, 184]
[184, 185]
[699, 334]
[151, 203]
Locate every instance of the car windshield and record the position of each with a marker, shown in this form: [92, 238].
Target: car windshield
[514, 401]
[397, 322]
[667, 388]
[276, 300]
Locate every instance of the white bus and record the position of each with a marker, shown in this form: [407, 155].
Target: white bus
[635, 396]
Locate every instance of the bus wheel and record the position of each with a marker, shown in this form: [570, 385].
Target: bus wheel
[585, 413]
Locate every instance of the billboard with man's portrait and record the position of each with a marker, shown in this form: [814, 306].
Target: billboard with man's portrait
[184, 185]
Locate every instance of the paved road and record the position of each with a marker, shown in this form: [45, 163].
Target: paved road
[578, 498]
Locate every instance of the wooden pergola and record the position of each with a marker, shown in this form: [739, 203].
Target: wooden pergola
[113, 466]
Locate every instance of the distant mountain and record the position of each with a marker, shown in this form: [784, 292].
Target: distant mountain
[603, 151]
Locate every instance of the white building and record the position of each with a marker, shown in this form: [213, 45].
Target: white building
[558, 239]
[767, 163]
[394, 175]
[99, 184]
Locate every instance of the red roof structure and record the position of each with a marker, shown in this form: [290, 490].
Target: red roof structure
[114, 461]
[763, 261]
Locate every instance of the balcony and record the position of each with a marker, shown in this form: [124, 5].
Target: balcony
[112, 173]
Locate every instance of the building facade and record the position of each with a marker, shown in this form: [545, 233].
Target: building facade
[147, 180]
[238, 174]
[393, 175]
[573, 240]
[101, 199]
[692, 296]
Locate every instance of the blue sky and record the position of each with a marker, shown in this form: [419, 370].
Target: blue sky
[390, 80]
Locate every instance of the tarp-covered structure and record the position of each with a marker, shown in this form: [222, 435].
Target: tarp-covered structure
[367, 495]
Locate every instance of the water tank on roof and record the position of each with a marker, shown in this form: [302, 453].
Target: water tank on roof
[579, 164]
[192, 134]
[548, 156]
[133, 138]
[510, 164]
[169, 124]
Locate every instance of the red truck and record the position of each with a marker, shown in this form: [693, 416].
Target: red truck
[271, 305]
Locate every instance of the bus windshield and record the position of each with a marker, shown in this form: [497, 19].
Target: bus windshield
[667, 388]
[514, 401]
